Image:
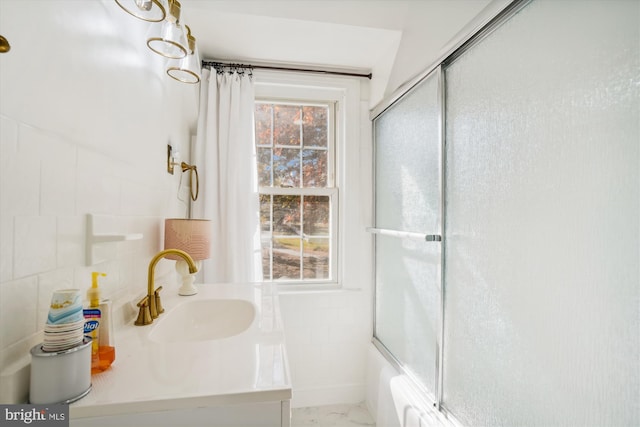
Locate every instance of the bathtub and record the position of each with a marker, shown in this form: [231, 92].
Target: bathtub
[241, 380]
[396, 401]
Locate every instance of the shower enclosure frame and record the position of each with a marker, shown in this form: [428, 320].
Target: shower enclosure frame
[479, 30]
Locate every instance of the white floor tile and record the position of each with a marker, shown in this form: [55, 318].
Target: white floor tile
[332, 416]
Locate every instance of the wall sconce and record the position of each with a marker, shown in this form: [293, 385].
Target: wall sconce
[168, 39]
[172, 158]
[192, 236]
[187, 69]
[147, 10]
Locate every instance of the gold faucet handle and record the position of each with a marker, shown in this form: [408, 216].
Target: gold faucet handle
[156, 295]
[144, 315]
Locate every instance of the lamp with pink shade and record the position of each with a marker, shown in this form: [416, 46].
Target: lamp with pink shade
[192, 236]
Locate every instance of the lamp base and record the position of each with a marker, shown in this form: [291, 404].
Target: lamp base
[187, 288]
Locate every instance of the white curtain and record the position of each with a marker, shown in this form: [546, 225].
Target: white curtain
[224, 152]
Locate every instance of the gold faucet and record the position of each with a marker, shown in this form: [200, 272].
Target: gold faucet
[150, 306]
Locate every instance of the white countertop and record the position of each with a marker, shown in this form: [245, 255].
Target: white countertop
[149, 376]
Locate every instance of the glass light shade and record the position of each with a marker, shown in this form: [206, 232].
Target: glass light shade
[187, 69]
[168, 40]
[190, 235]
[147, 10]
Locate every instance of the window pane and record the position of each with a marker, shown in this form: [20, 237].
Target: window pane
[286, 215]
[314, 126]
[292, 150]
[316, 215]
[286, 258]
[314, 168]
[286, 165]
[265, 212]
[266, 259]
[287, 122]
[264, 167]
[316, 258]
[263, 124]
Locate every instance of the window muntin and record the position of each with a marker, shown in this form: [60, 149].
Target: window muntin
[295, 146]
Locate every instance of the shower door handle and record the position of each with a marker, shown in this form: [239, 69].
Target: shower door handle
[405, 234]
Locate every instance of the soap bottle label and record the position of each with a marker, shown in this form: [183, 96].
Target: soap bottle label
[91, 322]
[92, 317]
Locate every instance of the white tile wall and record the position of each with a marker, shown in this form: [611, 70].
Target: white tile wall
[18, 310]
[54, 172]
[6, 250]
[34, 248]
[70, 231]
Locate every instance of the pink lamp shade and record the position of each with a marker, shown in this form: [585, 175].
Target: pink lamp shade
[190, 235]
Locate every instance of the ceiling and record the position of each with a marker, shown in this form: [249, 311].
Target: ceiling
[393, 39]
[82, 53]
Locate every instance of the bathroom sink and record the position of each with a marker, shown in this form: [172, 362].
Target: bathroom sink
[203, 320]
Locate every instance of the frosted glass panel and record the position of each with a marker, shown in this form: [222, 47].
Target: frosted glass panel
[408, 199]
[407, 162]
[542, 251]
[407, 301]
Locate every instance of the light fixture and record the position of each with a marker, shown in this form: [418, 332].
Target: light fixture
[192, 236]
[172, 158]
[168, 39]
[4, 45]
[187, 69]
[147, 10]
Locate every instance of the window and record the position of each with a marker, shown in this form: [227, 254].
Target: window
[298, 197]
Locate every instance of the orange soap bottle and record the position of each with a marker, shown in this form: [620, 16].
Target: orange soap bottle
[98, 326]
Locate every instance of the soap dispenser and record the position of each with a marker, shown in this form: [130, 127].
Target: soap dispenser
[98, 326]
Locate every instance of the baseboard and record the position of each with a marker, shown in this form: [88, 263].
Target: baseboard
[328, 395]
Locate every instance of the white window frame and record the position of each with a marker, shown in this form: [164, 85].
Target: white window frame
[330, 190]
[351, 263]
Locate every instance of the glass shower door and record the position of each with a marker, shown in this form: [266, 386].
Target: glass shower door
[543, 189]
[408, 213]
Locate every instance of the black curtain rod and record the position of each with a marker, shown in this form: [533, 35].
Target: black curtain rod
[269, 67]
